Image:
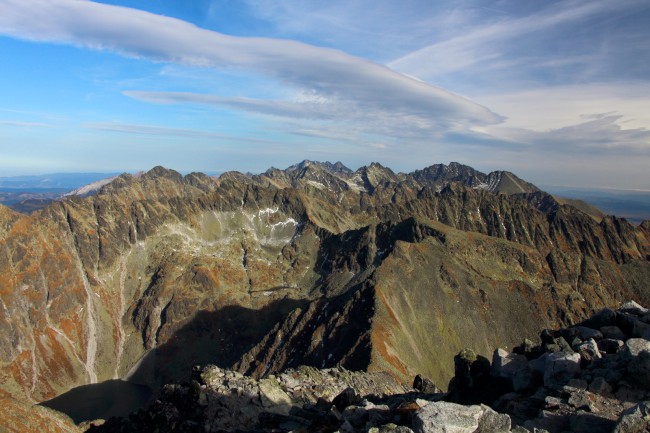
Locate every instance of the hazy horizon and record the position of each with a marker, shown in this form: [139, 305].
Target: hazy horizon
[556, 187]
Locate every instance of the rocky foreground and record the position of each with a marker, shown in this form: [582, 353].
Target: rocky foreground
[592, 377]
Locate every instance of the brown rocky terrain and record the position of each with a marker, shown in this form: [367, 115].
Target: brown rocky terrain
[316, 264]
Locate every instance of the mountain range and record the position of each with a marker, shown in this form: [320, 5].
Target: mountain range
[312, 265]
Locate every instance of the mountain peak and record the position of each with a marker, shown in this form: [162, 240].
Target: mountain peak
[162, 172]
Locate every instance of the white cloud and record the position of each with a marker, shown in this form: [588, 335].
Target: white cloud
[601, 134]
[488, 43]
[353, 83]
[554, 107]
[605, 117]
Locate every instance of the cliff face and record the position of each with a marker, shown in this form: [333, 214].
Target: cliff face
[313, 265]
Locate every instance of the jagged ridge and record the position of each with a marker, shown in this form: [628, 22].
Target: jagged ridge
[419, 259]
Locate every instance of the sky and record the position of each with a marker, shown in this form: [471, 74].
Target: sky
[557, 92]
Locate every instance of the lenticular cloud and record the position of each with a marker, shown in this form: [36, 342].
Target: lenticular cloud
[355, 83]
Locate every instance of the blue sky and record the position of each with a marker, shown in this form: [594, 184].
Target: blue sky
[555, 91]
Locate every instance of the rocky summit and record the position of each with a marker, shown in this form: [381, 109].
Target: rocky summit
[589, 378]
[315, 265]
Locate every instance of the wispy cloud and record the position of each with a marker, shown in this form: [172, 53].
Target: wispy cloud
[344, 84]
[600, 135]
[129, 128]
[509, 41]
[353, 115]
[24, 124]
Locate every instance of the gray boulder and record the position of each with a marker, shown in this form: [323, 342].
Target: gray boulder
[444, 417]
[589, 350]
[635, 419]
[634, 346]
[493, 422]
[613, 332]
[513, 368]
[424, 384]
[560, 367]
[633, 308]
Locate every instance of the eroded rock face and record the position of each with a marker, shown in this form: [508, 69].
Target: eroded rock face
[315, 264]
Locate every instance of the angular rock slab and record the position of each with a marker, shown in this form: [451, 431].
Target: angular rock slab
[560, 367]
[444, 417]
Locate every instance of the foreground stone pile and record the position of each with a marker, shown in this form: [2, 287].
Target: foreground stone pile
[579, 379]
[592, 377]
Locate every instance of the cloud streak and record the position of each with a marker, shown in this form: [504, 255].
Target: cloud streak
[130, 128]
[487, 43]
[341, 82]
[23, 124]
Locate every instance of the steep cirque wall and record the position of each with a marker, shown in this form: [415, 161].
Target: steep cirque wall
[315, 264]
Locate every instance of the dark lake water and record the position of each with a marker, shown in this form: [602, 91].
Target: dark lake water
[101, 400]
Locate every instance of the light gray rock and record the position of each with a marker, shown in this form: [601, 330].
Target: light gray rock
[634, 308]
[589, 350]
[635, 419]
[634, 346]
[444, 417]
[493, 422]
[506, 365]
[273, 398]
[560, 367]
